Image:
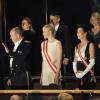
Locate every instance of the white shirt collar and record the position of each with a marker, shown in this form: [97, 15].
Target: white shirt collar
[56, 27]
[18, 42]
[16, 45]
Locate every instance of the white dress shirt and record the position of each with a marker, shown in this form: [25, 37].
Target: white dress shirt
[56, 28]
[16, 44]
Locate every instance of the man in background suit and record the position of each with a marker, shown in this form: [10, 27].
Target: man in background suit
[62, 33]
[19, 61]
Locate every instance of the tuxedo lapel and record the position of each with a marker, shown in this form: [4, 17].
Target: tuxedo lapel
[19, 46]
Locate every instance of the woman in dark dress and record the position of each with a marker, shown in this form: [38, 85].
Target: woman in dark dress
[30, 37]
[84, 60]
[95, 31]
[28, 31]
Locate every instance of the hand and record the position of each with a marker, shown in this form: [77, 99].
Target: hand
[79, 75]
[9, 82]
[6, 48]
[65, 61]
[40, 81]
[76, 74]
[56, 79]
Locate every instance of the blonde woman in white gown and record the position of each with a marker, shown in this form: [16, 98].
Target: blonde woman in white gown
[52, 56]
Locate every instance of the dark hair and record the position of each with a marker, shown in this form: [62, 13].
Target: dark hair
[86, 28]
[83, 26]
[55, 14]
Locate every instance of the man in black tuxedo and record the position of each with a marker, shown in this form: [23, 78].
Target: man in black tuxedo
[19, 61]
[62, 33]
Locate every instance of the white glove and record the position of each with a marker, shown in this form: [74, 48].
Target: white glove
[89, 67]
[75, 67]
[79, 75]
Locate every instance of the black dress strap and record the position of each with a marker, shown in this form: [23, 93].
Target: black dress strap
[87, 55]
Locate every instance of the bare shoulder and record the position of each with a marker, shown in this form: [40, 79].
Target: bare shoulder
[91, 44]
[42, 43]
[58, 42]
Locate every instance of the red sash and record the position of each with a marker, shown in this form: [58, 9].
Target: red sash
[85, 63]
[49, 61]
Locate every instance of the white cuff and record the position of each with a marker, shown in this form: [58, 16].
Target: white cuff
[75, 67]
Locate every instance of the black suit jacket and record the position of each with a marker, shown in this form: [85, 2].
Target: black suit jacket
[63, 35]
[20, 64]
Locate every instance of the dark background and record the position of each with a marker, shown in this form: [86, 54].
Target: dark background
[72, 12]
